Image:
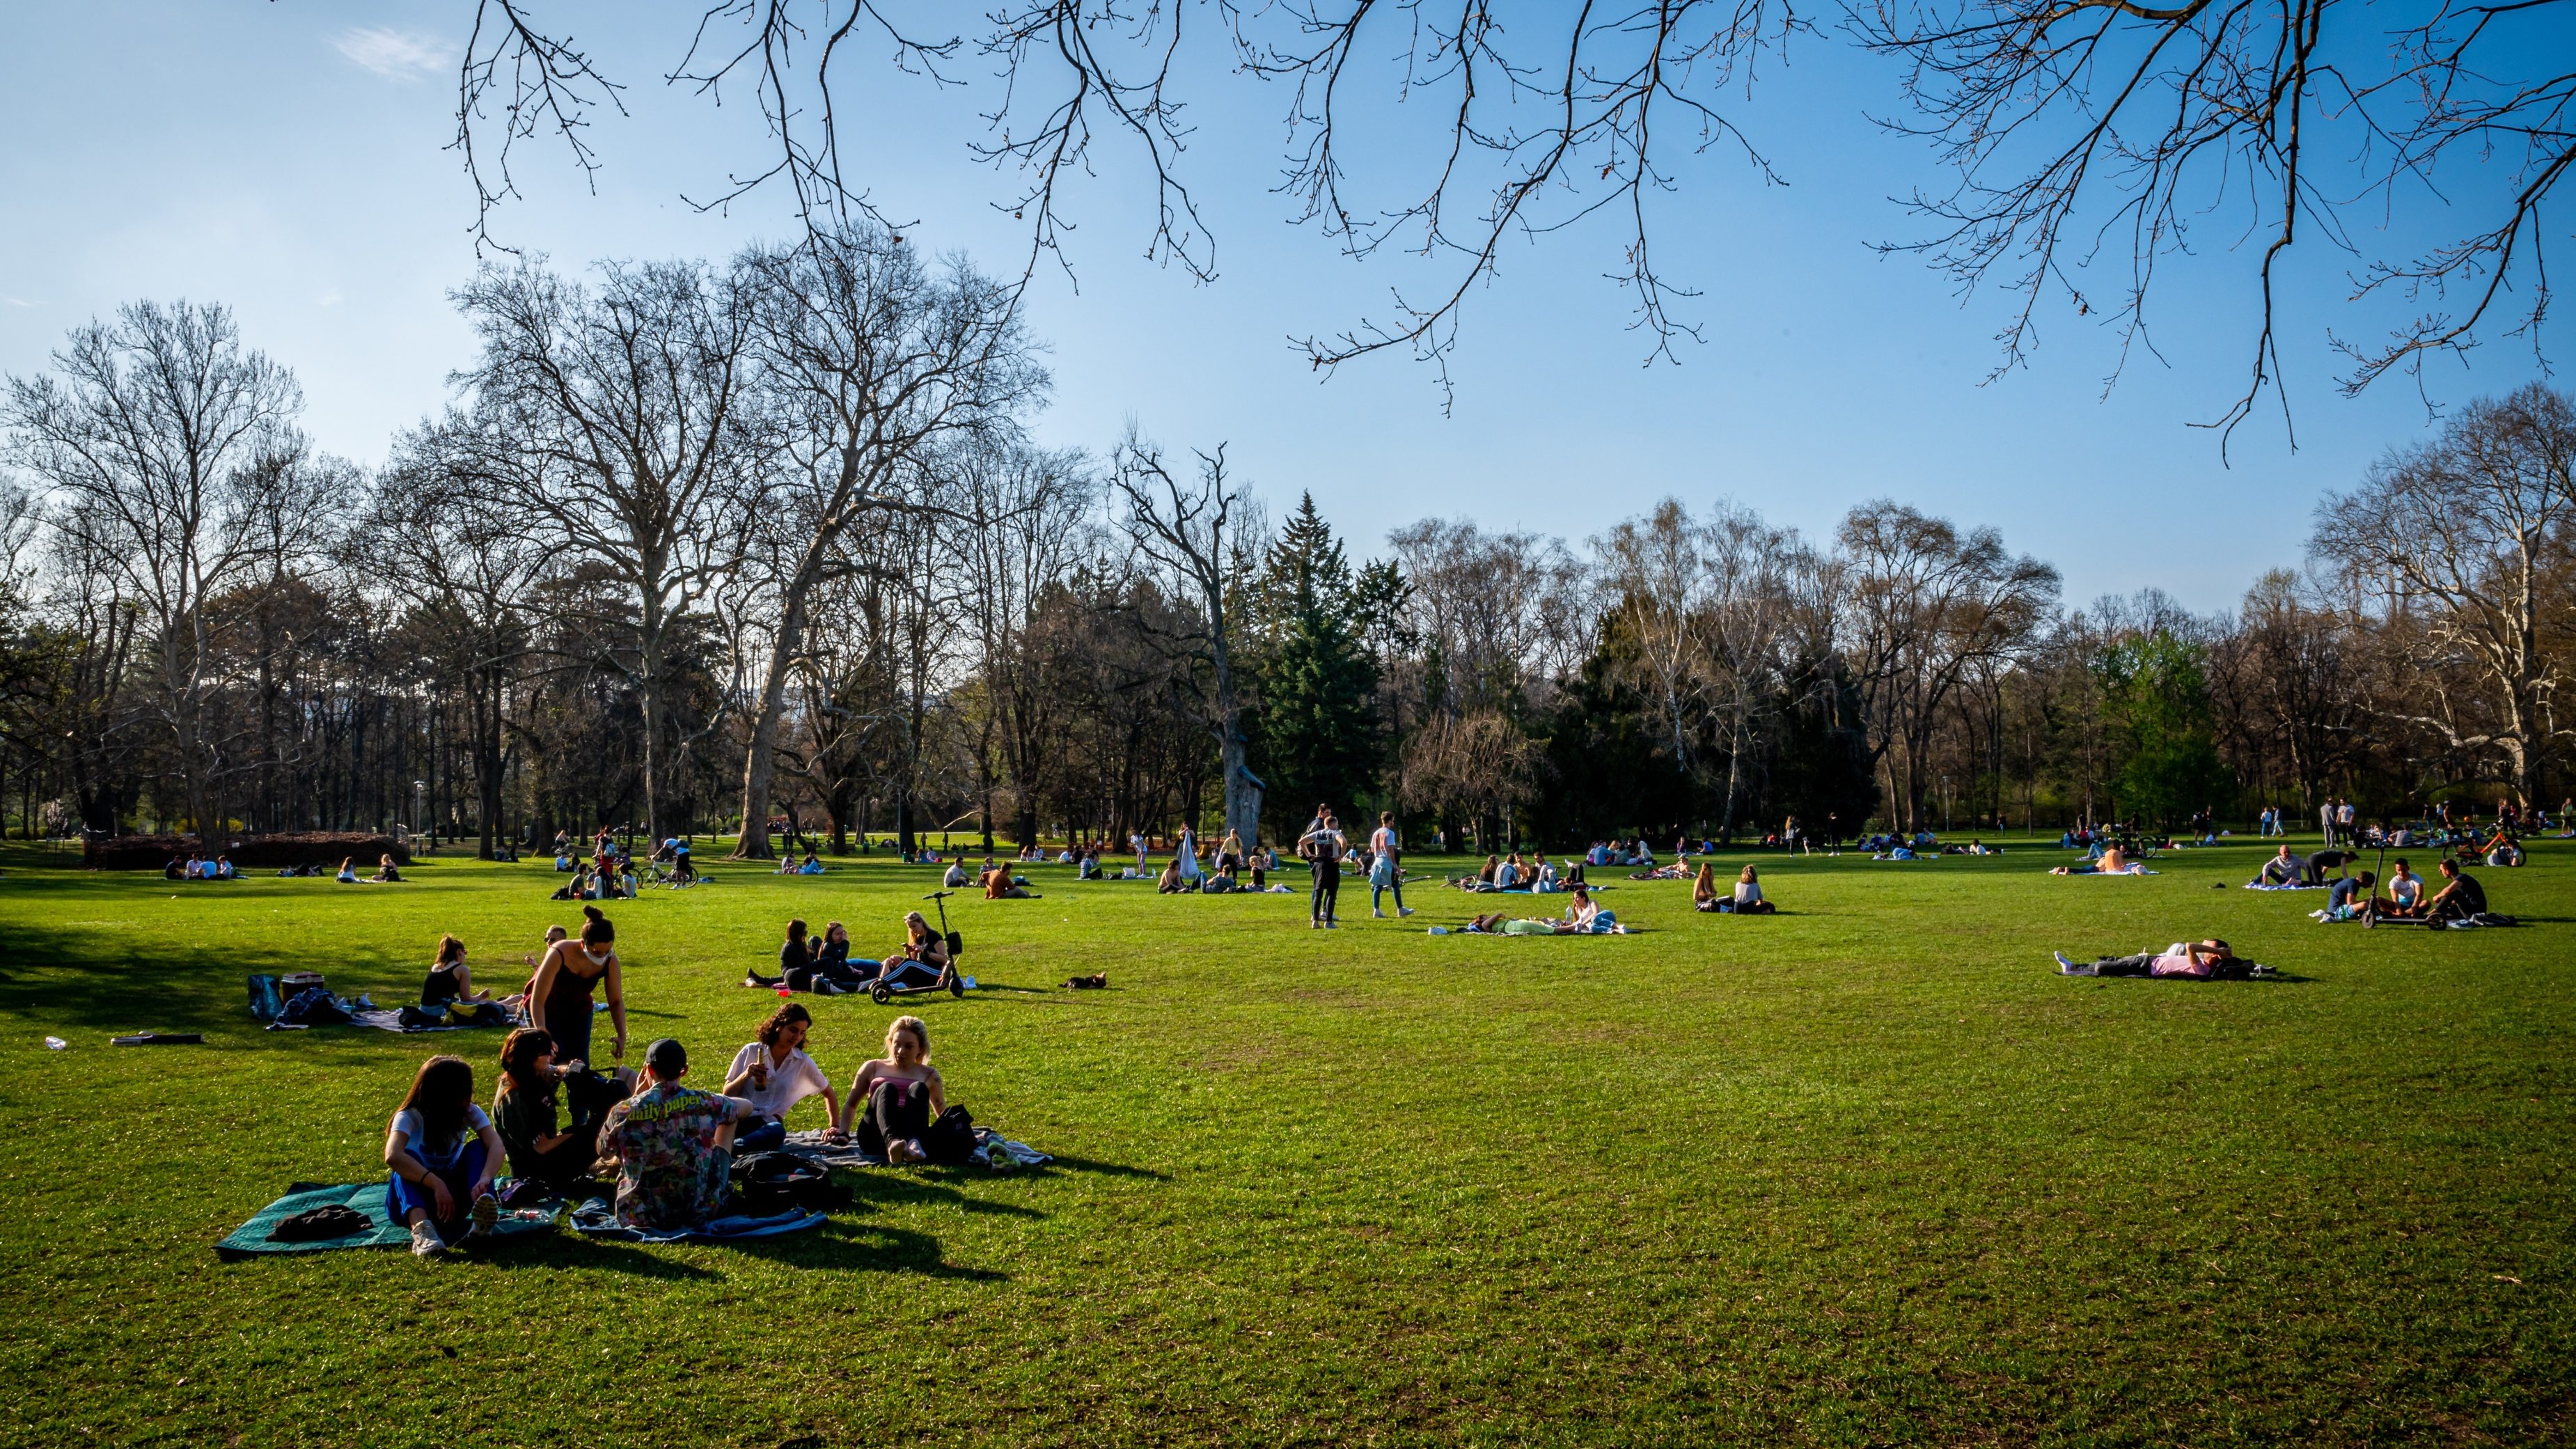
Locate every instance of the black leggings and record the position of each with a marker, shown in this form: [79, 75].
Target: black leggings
[1328, 889]
[896, 1111]
[2142, 964]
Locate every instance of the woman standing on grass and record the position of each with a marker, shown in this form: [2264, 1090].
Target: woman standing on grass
[442, 1152]
[559, 999]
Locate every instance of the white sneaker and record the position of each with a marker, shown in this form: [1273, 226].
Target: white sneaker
[1404, 910]
[486, 1213]
[425, 1242]
[1377, 914]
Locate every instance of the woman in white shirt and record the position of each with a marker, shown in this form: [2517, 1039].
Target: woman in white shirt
[443, 1153]
[774, 1074]
[1748, 895]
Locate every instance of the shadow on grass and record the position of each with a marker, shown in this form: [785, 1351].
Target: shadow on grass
[133, 983]
[871, 1247]
[873, 1187]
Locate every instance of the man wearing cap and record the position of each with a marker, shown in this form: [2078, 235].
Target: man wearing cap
[674, 1145]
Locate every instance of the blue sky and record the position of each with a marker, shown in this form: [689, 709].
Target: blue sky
[286, 158]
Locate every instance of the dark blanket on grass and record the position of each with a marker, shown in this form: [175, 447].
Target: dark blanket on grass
[367, 1199]
[595, 1219]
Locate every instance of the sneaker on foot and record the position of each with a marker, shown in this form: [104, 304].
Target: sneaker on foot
[1377, 914]
[901, 1152]
[2064, 966]
[486, 1213]
[1404, 910]
[425, 1242]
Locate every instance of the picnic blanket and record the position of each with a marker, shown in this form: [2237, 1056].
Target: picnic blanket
[367, 1199]
[2111, 872]
[2259, 886]
[815, 1145]
[596, 1219]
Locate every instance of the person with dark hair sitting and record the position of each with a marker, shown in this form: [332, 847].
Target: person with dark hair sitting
[442, 1152]
[774, 1074]
[523, 1110]
[2460, 897]
[450, 983]
[674, 1145]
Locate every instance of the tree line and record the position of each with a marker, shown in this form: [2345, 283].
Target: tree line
[693, 545]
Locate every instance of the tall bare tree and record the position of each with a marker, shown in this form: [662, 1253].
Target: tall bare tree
[162, 440]
[2470, 536]
[621, 430]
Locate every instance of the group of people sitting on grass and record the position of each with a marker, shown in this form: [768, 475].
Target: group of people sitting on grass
[825, 966]
[198, 867]
[996, 881]
[1537, 875]
[559, 1125]
[788, 864]
[1746, 899]
[2114, 860]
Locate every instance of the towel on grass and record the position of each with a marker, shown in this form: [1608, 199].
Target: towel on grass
[815, 1145]
[596, 1219]
[367, 1199]
[2259, 886]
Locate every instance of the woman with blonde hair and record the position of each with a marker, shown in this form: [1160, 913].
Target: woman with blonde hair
[1704, 896]
[1748, 895]
[923, 952]
[902, 1093]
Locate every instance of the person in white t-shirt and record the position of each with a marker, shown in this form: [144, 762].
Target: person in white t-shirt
[774, 1074]
[443, 1153]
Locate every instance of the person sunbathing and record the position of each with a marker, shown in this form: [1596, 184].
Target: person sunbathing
[1704, 894]
[1169, 883]
[2114, 861]
[1000, 886]
[442, 1153]
[674, 1145]
[903, 1096]
[774, 1073]
[2207, 960]
[524, 1112]
[1583, 917]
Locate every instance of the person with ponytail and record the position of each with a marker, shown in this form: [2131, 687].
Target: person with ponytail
[523, 1111]
[559, 997]
[441, 1150]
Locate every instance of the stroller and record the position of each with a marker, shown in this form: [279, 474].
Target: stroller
[915, 977]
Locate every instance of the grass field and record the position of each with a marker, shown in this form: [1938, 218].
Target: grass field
[1864, 1172]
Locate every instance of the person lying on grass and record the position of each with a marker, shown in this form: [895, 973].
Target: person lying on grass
[2209, 960]
[450, 981]
[674, 1145]
[922, 959]
[524, 1112]
[774, 1073]
[1678, 870]
[901, 1093]
[441, 1151]
[1583, 917]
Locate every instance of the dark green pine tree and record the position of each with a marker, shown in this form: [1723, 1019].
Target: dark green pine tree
[1318, 737]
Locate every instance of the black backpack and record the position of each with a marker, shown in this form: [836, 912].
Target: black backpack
[768, 1183]
[950, 1142]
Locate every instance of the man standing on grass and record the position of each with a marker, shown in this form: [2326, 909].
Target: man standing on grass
[1323, 846]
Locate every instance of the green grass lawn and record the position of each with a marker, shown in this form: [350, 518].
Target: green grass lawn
[1868, 1171]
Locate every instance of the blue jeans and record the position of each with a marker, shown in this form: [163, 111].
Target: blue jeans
[401, 1196]
[767, 1136]
[1393, 882]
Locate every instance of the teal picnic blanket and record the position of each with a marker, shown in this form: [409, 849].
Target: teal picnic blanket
[365, 1198]
[594, 1219]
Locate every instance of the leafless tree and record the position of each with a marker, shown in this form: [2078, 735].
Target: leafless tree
[2083, 126]
[1036, 508]
[161, 440]
[619, 428]
[2471, 535]
[1197, 539]
[868, 361]
[1923, 602]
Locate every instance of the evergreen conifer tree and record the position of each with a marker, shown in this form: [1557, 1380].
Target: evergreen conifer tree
[1318, 735]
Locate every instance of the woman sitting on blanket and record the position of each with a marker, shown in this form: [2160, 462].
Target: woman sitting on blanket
[902, 1094]
[922, 959]
[2207, 960]
[450, 982]
[523, 1111]
[1704, 896]
[442, 1152]
[774, 1074]
[385, 872]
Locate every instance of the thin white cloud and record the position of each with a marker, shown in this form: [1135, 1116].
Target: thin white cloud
[19, 302]
[401, 54]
